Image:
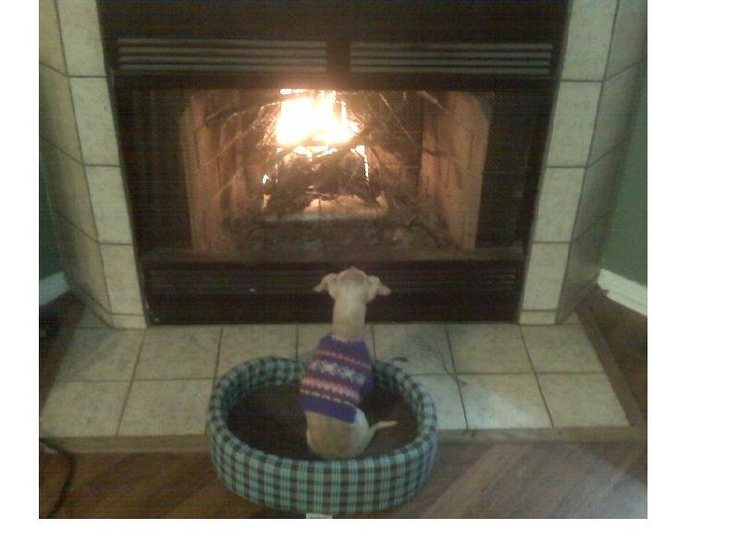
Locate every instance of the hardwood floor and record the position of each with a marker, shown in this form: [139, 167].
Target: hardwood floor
[514, 480]
[468, 481]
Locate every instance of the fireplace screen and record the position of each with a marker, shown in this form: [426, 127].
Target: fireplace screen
[325, 174]
[332, 175]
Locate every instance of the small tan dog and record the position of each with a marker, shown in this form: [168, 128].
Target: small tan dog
[340, 374]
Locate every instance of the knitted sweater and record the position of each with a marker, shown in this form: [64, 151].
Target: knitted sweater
[337, 379]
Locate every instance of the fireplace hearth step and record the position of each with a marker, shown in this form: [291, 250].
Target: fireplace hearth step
[490, 382]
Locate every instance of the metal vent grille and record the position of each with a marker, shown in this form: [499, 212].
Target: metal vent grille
[180, 55]
[453, 58]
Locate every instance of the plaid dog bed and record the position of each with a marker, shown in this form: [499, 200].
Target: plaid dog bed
[325, 487]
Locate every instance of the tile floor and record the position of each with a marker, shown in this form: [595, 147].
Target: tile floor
[157, 382]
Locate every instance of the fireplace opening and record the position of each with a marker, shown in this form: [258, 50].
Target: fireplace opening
[305, 174]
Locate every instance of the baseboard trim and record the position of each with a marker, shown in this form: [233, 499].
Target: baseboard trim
[621, 290]
[51, 287]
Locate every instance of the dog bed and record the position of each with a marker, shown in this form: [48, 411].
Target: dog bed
[290, 481]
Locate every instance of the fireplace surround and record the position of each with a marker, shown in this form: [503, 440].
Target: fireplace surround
[596, 57]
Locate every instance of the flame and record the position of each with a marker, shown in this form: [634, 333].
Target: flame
[314, 124]
[317, 118]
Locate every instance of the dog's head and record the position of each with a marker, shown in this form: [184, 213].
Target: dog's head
[352, 284]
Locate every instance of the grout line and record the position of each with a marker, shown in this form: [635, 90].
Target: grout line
[78, 380]
[611, 41]
[55, 146]
[74, 225]
[131, 384]
[536, 378]
[193, 379]
[218, 354]
[455, 378]
[52, 68]
[599, 220]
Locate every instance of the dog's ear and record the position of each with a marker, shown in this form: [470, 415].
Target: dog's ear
[375, 287]
[328, 283]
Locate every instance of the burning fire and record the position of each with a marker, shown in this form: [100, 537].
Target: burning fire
[313, 124]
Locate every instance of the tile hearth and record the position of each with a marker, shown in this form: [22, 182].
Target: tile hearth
[156, 383]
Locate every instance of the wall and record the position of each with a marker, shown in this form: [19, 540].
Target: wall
[626, 250]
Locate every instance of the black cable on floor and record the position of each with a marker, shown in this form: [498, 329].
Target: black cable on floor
[67, 480]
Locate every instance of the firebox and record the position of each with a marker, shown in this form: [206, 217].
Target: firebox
[268, 143]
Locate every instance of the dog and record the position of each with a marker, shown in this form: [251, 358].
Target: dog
[340, 373]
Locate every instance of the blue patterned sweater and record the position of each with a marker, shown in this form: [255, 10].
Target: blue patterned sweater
[337, 379]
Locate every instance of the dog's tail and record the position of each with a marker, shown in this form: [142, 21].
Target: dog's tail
[380, 425]
[374, 428]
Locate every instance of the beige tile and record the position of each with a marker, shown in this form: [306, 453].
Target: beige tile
[81, 32]
[600, 186]
[563, 348]
[423, 346]
[94, 120]
[77, 409]
[582, 400]
[488, 348]
[67, 187]
[630, 35]
[101, 354]
[240, 343]
[179, 352]
[129, 321]
[573, 123]
[56, 114]
[82, 262]
[122, 278]
[169, 407]
[50, 39]
[309, 335]
[558, 204]
[545, 272]
[617, 110]
[572, 319]
[589, 36]
[536, 317]
[503, 401]
[90, 320]
[446, 396]
[109, 204]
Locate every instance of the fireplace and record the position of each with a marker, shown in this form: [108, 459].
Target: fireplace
[266, 144]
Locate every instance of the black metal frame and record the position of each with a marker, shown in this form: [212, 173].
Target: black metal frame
[183, 288]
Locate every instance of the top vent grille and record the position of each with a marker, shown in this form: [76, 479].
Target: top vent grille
[179, 55]
[453, 58]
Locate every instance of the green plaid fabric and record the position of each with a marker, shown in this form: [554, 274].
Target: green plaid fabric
[326, 487]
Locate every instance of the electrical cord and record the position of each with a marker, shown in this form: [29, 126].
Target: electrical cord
[67, 480]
